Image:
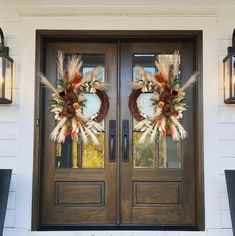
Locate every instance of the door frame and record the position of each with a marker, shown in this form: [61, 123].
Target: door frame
[43, 36]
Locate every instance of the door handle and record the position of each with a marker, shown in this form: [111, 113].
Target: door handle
[112, 140]
[125, 140]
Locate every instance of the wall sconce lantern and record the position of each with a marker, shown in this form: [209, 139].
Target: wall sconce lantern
[6, 73]
[229, 74]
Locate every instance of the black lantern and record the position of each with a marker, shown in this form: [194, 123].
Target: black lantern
[229, 74]
[6, 73]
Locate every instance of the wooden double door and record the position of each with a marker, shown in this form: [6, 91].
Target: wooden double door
[120, 182]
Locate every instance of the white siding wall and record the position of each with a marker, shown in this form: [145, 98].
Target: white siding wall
[20, 19]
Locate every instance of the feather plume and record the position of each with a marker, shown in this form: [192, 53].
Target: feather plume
[149, 76]
[144, 135]
[139, 70]
[182, 131]
[55, 132]
[60, 63]
[174, 133]
[176, 63]
[86, 78]
[154, 134]
[137, 85]
[191, 80]
[94, 124]
[57, 109]
[96, 71]
[163, 66]
[83, 134]
[100, 86]
[158, 111]
[62, 135]
[74, 125]
[74, 65]
[45, 81]
[91, 134]
[142, 123]
[79, 65]
[162, 124]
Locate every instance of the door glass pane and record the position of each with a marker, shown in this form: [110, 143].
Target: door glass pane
[73, 154]
[144, 155]
[165, 153]
[67, 154]
[169, 153]
[93, 155]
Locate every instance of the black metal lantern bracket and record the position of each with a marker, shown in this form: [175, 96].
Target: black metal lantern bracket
[3, 49]
[6, 75]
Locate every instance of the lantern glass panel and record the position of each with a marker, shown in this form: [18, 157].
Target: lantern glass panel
[233, 76]
[227, 77]
[1, 76]
[8, 79]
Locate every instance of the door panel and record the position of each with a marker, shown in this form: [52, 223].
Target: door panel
[79, 181]
[119, 182]
[158, 183]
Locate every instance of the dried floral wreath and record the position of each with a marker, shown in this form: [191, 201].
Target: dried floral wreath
[68, 101]
[168, 100]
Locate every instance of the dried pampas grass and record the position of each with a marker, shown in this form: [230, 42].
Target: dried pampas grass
[46, 82]
[168, 99]
[191, 81]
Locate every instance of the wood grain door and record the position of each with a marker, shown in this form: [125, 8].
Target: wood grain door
[78, 180]
[147, 184]
[157, 180]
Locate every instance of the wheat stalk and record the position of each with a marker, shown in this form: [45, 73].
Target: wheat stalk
[191, 80]
[176, 63]
[60, 63]
[46, 82]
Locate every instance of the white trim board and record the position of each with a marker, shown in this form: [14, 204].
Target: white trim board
[24, 167]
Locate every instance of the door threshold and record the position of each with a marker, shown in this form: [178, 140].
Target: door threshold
[119, 227]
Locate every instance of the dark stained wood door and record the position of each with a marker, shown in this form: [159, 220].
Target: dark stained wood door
[158, 180]
[146, 185]
[79, 181]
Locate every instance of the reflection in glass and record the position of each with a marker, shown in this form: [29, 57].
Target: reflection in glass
[92, 104]
[67, 154]
[144, 104]
[143, 154]
[169, 153]
[75, 154]
[145, 60]
[93, 155]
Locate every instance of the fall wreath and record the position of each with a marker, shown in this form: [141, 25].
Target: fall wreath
[68, 100]
[168, 100]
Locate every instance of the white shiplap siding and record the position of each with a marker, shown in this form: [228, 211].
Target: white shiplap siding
[20, 19]
[226, 127]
